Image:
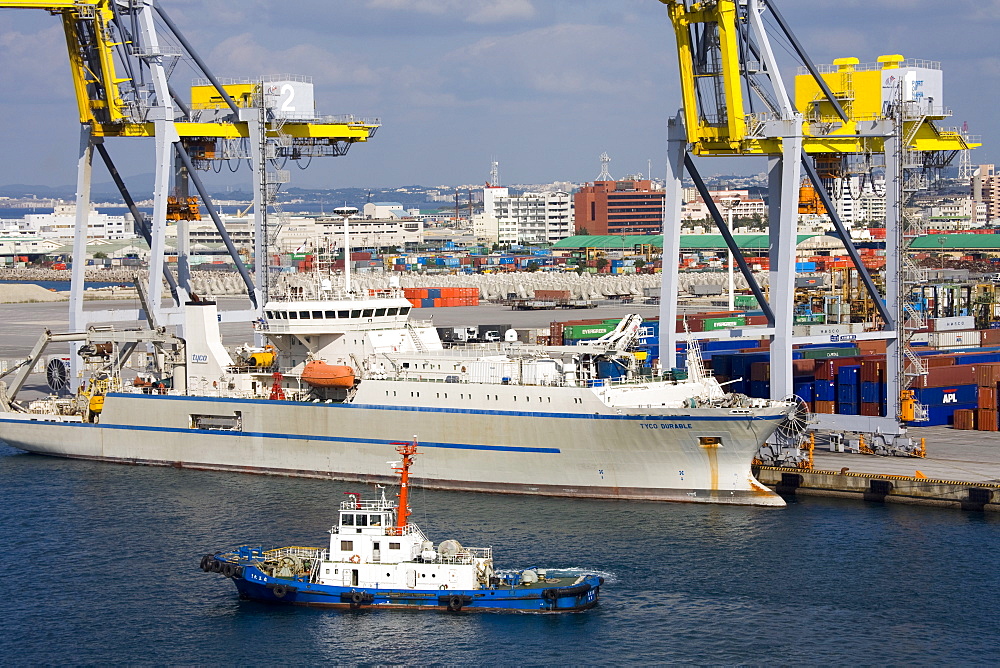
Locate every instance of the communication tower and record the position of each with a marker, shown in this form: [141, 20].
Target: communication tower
[605, 175]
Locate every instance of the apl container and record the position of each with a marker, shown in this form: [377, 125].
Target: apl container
[967, 338]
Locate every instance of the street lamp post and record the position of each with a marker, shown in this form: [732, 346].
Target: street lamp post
[346, 212]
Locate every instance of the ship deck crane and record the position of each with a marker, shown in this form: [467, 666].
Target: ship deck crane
[122, 54]
[735, 103]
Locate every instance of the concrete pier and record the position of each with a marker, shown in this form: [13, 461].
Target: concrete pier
[961, 470]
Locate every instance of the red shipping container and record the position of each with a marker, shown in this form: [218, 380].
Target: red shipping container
[987, 398]
[964, 418]
[826, 369]
[874, 347]
[990, 337]
[801, 368]
[871, 408]
[872, 370]
[944, 376]
[988, 374]
[986, 419]
[760, 371]
[826, 407]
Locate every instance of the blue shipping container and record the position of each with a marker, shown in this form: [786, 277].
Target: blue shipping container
[825, 390]
[804, 391]
[872, 392]
[845, 408]
[847, 393]
[944, 415]
[947, 396]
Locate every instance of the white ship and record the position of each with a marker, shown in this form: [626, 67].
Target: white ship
[343, 376]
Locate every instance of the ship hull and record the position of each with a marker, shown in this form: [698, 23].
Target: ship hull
[659, 455]
[255, 585]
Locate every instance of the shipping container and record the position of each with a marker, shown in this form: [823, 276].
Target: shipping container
[713, 324]
[964, 419]
[955, 339]
[962, 322]
[946, 376]
[825, 390]
[987, 397]
[940, 415]
[950, 395]
[986, 419]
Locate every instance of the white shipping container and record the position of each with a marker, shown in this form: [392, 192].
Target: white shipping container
[954, 339]
[953, 323]
[820, 330]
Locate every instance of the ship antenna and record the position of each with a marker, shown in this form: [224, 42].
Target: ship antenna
[407, 450]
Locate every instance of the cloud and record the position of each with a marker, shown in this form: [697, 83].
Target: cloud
[35, 65]
[471, 11]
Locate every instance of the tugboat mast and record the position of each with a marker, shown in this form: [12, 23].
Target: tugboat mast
[407, 450]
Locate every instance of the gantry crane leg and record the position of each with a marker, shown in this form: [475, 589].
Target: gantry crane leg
[784, 175]
[77, 319]
[677, 147]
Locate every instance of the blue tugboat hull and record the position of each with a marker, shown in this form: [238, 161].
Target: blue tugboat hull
[255, 585]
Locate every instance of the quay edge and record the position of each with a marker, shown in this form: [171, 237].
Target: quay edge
[960, 495]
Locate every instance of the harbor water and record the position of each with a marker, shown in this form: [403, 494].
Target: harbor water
[100, 566]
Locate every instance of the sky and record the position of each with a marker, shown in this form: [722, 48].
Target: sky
[542, 86]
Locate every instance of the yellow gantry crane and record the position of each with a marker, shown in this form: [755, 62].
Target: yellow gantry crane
[736, 104]
[121, 55]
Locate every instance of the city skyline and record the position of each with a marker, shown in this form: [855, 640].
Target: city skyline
[543, 88]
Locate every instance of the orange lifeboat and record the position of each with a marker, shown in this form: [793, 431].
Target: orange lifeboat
[321, 374]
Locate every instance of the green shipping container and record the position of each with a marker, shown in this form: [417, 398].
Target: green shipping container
[711, 324]
[823, 353]
[582, 332]
[811, 319]
[745, 301]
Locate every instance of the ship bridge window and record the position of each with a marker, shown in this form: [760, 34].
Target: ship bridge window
[331, 315]
[293, 315]
[356, 313]
[343, 314]
[347, 519]
[303, 315]
[403, 310]
[375, 520]
[379, 312]
[391, 311]
[361, 520]
[318, 315]
[368, 313]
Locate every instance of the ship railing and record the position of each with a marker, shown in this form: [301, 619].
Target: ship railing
[294, 551]
[256, 554]
[467, 555]
[366, 504]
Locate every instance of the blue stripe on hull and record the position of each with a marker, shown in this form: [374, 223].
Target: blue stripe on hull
[261, 587]
[305, 437]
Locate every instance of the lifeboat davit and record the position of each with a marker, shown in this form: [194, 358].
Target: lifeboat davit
[321, 374]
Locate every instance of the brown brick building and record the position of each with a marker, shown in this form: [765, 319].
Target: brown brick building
[619, 207]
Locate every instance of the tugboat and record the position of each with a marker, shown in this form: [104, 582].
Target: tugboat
[378, 559]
